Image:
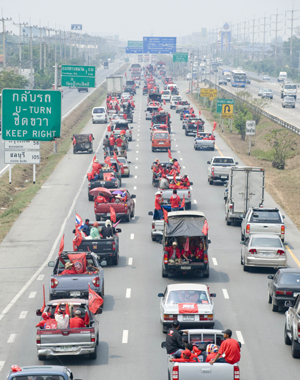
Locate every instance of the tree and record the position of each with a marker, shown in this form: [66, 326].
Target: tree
[256, 104]
[239, 121]
[282, 143]
[8, 79]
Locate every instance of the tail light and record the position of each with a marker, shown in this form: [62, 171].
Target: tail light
[54, 283]
[208, 317]
[231, 206]
[252, 251]
[125, 205]
[113, 245]
[170, 317]
[283, 293]
[236, 373]
[248, 229]
[96, 282]
[165, 258]
[93, 336]
[38, 339]
[205, 258]
[175, 373]
[282, 230]
[75, 248]
[280, 252]
[298, 329]
[189, 194]
[153, 225]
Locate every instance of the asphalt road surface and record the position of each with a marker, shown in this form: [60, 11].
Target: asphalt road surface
[130, 331]
[71, 98]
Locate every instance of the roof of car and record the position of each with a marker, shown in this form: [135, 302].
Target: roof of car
[37, 369]
[289, 270]
[264, 209]
[183, 286]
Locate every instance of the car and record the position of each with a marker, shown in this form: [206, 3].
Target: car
[260, 92]
[125, 165]
[263, 221]
[266, 77]
[248, 81]
[40, 372]
[266, 251]
[283, 286]
[83, 89]
[189, 76]
[161, 140]
[189, 304]
[288, 101]
[267, 93]
[222, 81]
[166, 95]
[99, 115]
[126, 96]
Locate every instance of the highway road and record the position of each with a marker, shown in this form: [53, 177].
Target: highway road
[71, 98]
[130, 331]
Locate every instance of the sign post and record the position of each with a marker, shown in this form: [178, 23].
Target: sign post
[250, 131]
[180, 57]
[78, 76]
[159, 45]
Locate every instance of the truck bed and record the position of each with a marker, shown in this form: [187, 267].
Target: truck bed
[199, 371]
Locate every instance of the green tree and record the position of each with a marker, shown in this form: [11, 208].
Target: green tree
[282, 143]
[239, 121]
[256, 104]
[8, 79]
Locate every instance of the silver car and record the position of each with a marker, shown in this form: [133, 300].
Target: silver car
[263, 251]
[260, 92]
[267, 93]
[288, 101]
[126, 166]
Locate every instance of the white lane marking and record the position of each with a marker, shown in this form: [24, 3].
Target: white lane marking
[137, 158]
[137, 144]
[178, 151]
[136, 167]
[174, 139]
[131, 236]
[134, 187]
[183, 167]
[181, 158]
[240, 337]
[40, 277]
[191, 187]
[125, 336]
[138, 134]
[23, 314]
[55, 244]
[195, 201]
[135, 177]
[32, 295]
[225, 294]
[214, 260]
[3, 170]
[137, 139]
[2, 364]
[137, 151]
[130, 260]
[128, 293]
[11, 338]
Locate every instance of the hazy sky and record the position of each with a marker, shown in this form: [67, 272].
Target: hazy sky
[133, 19]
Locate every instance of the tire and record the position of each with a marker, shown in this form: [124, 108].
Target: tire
[74, 151]
[287, 340]
[128, 218]
[132, 214]
[188, 206]
[115, 261]
[98, 218]
[274, 307]
[93, 122]
[152, 149]
[295, 352]
[153, 238]
[211, 182]
[42, 357]
[269, 298]
[186, 133]
[228, 222]
[93, 355]
[164, 329]
[164, 273]
[91, 198]
[206, 273]
[245, 268]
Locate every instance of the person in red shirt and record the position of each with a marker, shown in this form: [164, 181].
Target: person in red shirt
[158, 213]
[199, 252]
[119, 143]
[96, 167]
[175, 201]
[42, 323]
[125, 116]
[67, 270]
[187, 255]
[186, 356]
[184, 181]
[173, 251]
[230, 347]
[211, 352]
[112, 143]
[76, 322]
[100, 199]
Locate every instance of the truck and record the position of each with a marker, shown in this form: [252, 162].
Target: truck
[180, 226]
[75, 285]
[282, 76]
[288, 89]
[246, 186]
[204, 140]
[292, 326]
[219, 168]
[114, 85]
[69, 341]
[167, 193]
[194, 126]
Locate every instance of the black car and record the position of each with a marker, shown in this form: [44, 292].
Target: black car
[284, 286]
[82, 143]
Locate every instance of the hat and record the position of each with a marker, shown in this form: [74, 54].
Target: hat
[157, 160]
[107, 223]
[212, 348]
[174, 243]
[158, 193]
[228, 332]
[96, 160]
[175, 324]
[68, 265]
[187, 353]
[77, 312]
[118, 196]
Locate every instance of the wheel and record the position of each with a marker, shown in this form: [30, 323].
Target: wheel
[295, 352]
[228, 222]
[186, 133]
[211, 182]
[164, 273]
[91, 198]
[93, 122]
[74, 151]
[269, 298]
[115, 260]
[242, 237]
[287, 340]
[128, 218]
[98, 218]
[132, 214]
[97, 341]
[153, 238]
[42, 357]
[152, 149]
[206, 273]
[245, 268]
[274, 307]
[93, 355]
[164, 329]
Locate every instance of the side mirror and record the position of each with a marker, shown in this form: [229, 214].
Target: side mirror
[128, 162]
[150, 213]
[118, 230]
[103, 263]
[236, 163]
[51, 264]
[38, 312]
[132, 196]
[283, 217]
[208, 241]
[270, 277]
[208, 162]
[191, 183]
[163, 345]
[240, 344]
[288, 303]
[160, 295]
[93, 138]
[213, 295]
[99, 311]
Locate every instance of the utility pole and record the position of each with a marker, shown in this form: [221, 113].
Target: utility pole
[253, 25]
[264, 38]
[41, 48]
[20, 24]
[3, 36]
[276, 34]
[292, 30]
[31, 59]
[44, 42]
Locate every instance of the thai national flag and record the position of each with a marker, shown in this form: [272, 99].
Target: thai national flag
[78, 220]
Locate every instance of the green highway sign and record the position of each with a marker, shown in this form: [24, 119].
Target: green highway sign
[180, 57]
[74, 81]
[221, 102]
[80, 71]
[135, 44]
[31, 114]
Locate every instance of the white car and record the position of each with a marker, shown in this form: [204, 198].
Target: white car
[166, 95]
[126, 166]
[99, 115]
[189, 304]
[174, 100]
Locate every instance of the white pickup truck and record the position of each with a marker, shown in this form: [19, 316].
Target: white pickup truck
[174, 100]
[219, 168]
[167, 193]
[204, 140]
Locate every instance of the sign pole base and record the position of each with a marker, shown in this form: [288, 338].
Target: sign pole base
[9, 176]
[33, 174]
[249, 145]
[55, 147]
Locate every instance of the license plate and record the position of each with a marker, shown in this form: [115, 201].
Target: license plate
[223, 176]
[161, 143]
[185, 267]
[188, 317]
[295, 295]
[75, 294]
[267, 254]
[94, 246]
[65, 348]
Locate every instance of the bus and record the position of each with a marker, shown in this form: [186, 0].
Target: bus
[238, 78]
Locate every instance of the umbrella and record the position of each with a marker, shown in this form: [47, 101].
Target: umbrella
[102, 191]
[117, 192]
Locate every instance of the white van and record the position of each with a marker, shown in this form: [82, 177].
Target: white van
[99, 115]
[166, 95]
[282, 76]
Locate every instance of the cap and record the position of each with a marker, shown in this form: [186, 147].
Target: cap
[96, 160]
[187, 353]
[77, 312]
[68, 265]
[212, 348]
[228, 332]
[158, 193]
[175, 324]
[174, 243]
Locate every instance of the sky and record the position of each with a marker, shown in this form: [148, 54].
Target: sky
[133, 19]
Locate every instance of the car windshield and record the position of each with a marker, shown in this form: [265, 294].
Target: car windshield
[266, 242]
[289, 99]
[166, 92]
[152, 109]
[39, 377]
[290, 87]
[221, 160]
[289, 279]
[120, 127]
[161, 136]
[98, 110]
[268, 216]
[188, 296]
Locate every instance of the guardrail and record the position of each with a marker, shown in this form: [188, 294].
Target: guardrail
[274, 118]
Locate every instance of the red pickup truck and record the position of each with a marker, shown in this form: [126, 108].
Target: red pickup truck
[124, 208]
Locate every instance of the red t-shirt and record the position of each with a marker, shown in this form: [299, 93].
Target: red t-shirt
[76, 323]
[119, 142]
[231, 349]
[112, 140]
[174, 200]
[210, 357]
[157, 204]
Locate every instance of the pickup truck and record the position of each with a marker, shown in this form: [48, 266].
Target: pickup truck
[40, 372]
[102, 182]
[119, 126]
[192, 127]
[292, 326]
[69, 341]
[174, 100]
[219, 168]
[150, 111]
[162, 118]
[105, 249]
[204, 140]
[201, 370]
[182, 105]
[124, 210]
[167, 193]
[75, 285]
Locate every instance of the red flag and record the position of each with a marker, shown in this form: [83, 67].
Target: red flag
[115, 156]
[183, 202]
[199, 112]
[91, 137]
[86, 319]
[174, 177]
[95, 301]
[77, 240]
[186, 246]
[107, 161]
[214, 127]
[164, 102]
[165, 215]
[61, 248]
[113, 216]
[74, 140]
[79, 262]
[205, 228]
[109, 128]
[169, 154]
[125, 74]
[94, 158]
